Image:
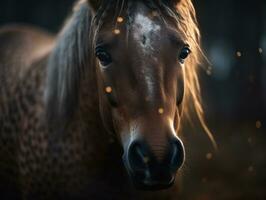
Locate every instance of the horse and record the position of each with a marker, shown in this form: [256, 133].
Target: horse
[96, 111]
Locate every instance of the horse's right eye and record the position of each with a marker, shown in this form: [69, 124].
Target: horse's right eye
[104, 57]
[184, 54]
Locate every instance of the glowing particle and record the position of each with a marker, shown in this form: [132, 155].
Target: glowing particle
[209, 72]
[251, 169]
[146, 160]
[154, 14]
[120, 19]
[238, 54]
[108, 89]
[117, 31]
[204, 180]
[258, 124]
[147, 99]
[209, 156]
[260, 50]
[251, 78]
[161, 111]
[111, 141]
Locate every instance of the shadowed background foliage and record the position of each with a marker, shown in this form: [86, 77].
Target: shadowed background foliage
[234, 93]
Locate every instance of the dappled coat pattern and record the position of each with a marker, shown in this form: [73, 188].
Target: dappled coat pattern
[54, 142]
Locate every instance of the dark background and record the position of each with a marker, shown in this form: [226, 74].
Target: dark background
[234, 93]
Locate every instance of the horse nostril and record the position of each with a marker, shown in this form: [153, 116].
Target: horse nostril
[137, 157]
[177, 155]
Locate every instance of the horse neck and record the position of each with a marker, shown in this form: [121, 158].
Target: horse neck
[88, 100]
[89, 123]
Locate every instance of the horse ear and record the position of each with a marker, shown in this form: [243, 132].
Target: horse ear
[95, 4]
[176, 2]
[172, 2]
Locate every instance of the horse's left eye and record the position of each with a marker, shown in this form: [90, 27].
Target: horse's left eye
[104, 57]
[184, 54]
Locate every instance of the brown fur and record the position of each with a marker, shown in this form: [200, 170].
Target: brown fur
[37, 162]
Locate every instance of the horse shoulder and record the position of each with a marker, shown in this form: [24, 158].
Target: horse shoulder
[20, 46]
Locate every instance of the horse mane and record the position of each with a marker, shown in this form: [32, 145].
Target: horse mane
[66, 63]
[188, 24]
[71, 55]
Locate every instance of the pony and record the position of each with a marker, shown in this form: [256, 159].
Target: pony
[96, 111]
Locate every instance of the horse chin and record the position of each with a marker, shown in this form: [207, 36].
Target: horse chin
[152, 185]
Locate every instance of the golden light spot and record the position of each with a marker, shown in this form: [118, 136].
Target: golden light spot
[147, 99]
[251, 169]
[260, 50]
[146, 160]
[111, 141]
[154, 14]
[108, 89]
[238, 54]
[204, 180]
[161, 111]
[120, 19]
[251, 78]
[117, 31]
[258, 124]
[209, 156]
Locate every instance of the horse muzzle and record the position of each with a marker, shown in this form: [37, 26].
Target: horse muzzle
[154, 166]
